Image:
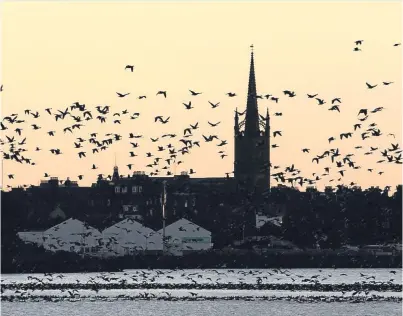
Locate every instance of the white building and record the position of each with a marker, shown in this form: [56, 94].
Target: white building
[128, 237]
[184, 235]
[263, 219]
[32, 237]
[73, 235]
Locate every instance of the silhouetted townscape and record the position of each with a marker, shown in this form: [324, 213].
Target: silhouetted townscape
[185, 206]
[239, 214]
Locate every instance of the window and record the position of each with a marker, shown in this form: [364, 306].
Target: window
[125, 208]
[71, 248]
[124, 190]
[194, 201]
[109, 202]
[140, 189]
[117, 189]
[134, 189]
[186, 203]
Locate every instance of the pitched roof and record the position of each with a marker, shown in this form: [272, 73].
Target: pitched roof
[128, 225]
[185, 228]
[129, 232]
[71, 226]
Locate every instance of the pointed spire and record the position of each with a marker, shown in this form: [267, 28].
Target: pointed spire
[267, 128]
[252, 113]
[115, 175]
[236, 125]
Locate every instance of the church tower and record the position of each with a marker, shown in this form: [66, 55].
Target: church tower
[252, 142]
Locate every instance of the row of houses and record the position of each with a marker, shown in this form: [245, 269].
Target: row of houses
[127, 237]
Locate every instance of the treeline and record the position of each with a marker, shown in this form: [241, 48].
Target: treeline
[31, 259]
[327, 219]
[347, 216]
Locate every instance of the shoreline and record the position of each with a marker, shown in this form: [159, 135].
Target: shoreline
[62, 262]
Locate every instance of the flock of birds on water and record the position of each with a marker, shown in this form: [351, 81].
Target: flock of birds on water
[168, 155]
[201, 285]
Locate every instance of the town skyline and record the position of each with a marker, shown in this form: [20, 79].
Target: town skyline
[72, 69]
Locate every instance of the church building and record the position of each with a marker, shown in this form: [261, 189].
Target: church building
[252, 143]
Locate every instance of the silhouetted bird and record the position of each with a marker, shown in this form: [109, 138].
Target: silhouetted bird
[370, 86]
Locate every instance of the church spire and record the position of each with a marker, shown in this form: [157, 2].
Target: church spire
[115, 175]
[252, 113]
[236, 125]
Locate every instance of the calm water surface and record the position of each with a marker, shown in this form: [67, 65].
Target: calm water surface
[215, 308]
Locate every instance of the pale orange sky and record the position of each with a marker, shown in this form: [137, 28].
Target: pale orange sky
[54, 54]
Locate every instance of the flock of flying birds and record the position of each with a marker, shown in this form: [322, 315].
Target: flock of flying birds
[171, 149]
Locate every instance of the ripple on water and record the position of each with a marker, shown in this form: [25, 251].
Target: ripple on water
[211, 308]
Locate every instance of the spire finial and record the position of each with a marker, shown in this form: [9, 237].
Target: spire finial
[252, 113]
[115, 159]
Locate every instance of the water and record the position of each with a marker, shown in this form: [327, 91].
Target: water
[206, 292]
[211, 308]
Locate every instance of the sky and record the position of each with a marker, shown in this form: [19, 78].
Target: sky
[55, 54]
